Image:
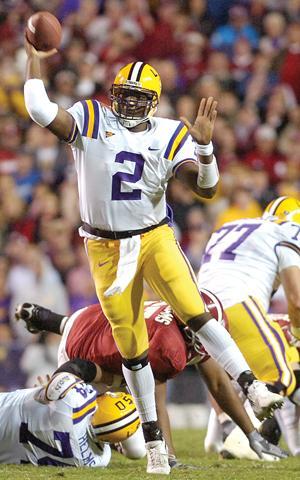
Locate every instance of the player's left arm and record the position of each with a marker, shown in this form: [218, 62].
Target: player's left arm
[288, 254]
[290, 279]
[162, 414]
[76, 370]
[223, 392]
[201, 178]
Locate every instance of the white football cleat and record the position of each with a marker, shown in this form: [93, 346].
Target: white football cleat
[262, 400]
[157, 456]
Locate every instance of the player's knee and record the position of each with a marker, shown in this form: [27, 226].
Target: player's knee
[136, 452]
[134, 446]
[136, 363]
[199, 321]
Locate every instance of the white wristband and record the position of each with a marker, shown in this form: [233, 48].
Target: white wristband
[205, 150]
[208, 175]
[40, 108]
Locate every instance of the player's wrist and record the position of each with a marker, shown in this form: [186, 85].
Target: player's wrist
[203, 149]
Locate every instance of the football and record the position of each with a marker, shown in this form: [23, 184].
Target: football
[43, 31]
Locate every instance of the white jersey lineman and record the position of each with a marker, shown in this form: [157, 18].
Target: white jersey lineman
[243, 258]
[54, 433]
[122, 176]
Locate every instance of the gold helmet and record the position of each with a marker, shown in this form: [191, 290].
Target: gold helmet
[116, 417]
[285, 208]
[135, 93]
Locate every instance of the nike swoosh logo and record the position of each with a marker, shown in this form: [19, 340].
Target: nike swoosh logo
[152, 149]
[103, 263]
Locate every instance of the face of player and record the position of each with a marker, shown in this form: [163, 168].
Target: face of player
[132, 104]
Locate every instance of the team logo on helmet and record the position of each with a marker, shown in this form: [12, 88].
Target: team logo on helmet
[285, 208]
[116, 417]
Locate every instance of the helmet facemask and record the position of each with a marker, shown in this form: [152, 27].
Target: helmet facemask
[133, 105]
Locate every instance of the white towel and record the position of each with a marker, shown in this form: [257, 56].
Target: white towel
[129, 254]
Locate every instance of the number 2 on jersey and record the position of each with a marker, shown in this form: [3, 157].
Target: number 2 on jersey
[228, 253]
[119, 177]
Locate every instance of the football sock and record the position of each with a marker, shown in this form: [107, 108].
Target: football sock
[221, 346]
[288, 419]
[245, 379]
[142, 387]
[45, 319]
[213, 437]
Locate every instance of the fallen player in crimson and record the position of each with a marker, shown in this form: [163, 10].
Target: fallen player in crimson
[87, 349]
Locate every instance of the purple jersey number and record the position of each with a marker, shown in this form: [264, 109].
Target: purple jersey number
[119, 177]
[63, 438]
[228, 252]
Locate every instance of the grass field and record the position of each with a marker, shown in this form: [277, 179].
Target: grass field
[190, 450]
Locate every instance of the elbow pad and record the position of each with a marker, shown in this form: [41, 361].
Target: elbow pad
[208, 175]
[40, 108]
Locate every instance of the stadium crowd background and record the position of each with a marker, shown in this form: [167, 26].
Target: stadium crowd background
[246, 54]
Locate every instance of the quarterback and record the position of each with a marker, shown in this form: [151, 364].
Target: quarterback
[87, 335]
[243, 264]
[124, 158]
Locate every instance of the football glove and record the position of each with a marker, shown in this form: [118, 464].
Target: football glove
[175, 463]
[264, 449]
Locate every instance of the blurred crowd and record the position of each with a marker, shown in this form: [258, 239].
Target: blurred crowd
[244, 53]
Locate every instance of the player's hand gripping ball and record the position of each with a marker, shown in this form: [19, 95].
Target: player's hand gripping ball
[43, 31]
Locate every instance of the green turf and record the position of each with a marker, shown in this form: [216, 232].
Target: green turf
[190, 450]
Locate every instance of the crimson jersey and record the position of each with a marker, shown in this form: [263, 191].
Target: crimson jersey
[91, 338]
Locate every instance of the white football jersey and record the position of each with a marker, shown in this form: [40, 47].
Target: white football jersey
[122, 175]
[243, 258]
[54, 433]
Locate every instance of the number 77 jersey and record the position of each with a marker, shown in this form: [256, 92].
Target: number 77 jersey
[243, 258]
[123, 175]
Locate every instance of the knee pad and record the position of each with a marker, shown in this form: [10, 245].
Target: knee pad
[136, 363]
[197, 322]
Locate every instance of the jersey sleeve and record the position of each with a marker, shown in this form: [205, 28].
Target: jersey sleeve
[86, 114]
[288, 248]
[81, 400]
[287, 257]
[180, 148]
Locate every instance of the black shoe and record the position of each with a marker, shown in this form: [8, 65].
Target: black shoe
[29, 313]
[270, 430]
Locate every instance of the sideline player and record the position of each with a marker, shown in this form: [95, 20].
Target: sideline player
[52, 425]
[87, 335]
[124, 158]
[243, 263]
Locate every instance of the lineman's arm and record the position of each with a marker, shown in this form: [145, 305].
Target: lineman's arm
[162, 414]
[42, 111]
[290, 279]
[220, 387]
[81, 369]
[223, 392]
[201, 178]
